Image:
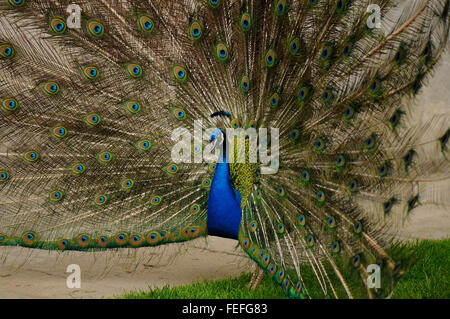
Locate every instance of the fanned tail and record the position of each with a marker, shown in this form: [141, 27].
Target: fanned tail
[90, 117]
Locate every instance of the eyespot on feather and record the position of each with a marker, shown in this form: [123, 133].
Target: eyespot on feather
[195, 31]
[9, 105]
[58, 25]
[145, 24]
[245, 22]
[30, 156]
[93, 119]
[104, 157]
[134, 70]
[270, 58]
[95, 28]
[274, 101]
[29, 238]
[83, 240]
[56, 196]
[221, 52]
[91, 72]
[4, 175]
[51, 88]
[103, 241]
[15, 3]
[179, 73]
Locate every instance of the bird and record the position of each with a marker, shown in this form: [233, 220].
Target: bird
[129, 124]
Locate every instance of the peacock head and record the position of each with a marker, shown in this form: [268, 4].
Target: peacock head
[217, 138]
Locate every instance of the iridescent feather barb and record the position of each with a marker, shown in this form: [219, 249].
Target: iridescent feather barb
[87, 116]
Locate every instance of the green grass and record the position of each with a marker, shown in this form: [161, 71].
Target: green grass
[429, 277]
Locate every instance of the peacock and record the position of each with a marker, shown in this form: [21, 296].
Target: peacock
[284, 125]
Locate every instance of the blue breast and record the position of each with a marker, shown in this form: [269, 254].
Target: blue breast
[224, 205]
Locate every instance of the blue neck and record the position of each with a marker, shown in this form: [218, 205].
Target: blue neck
[224, 205]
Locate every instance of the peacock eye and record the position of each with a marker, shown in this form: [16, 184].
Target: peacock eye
[133, 106]
[374, 86]
[51, 88]
[59, 132]
[394, 118]
[303, 94]
[270, 58]
[340, 162]
[127, 184]
[327, 96]
[245, 84]
[55, 196]
[145, 24]
[331, 222]
[179, 73]
[281, 192]
[274, 100]
[326, 54]
[294, 46]
[95, 28]
[335, 247]
[246, 22]
[319, 145]
[353, 185]
[9, 105]
[31, 156]
[57, 25]
[195, 30]
[253, 225]
[370, 142]
[346, 49]
[4, 175]
[104, 157]
[16, 3]
[144, 145]
[93, 119]
[302, 220]
[134, 70]
[221, 51]
[280, 7]
[214, 3]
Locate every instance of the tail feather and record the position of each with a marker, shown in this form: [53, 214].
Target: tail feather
[88, 116]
